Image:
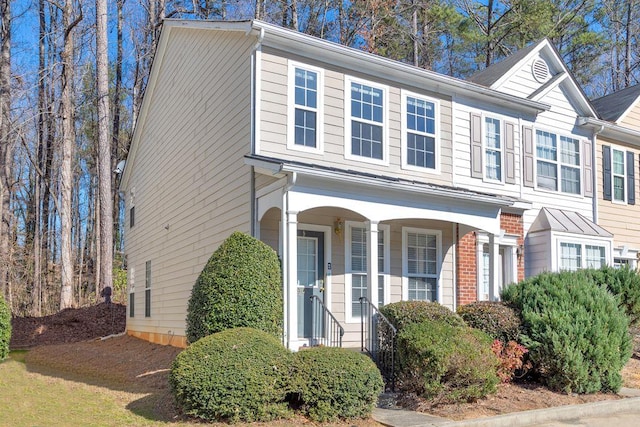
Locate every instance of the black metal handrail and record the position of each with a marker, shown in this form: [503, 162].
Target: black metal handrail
[378, 338]
[325, 330]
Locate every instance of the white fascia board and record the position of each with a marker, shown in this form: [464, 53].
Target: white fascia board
[354, 59]
[355, 179]
[612, 130]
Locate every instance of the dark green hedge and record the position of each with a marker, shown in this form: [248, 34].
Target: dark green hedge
[5, 328]
[624, 283]
[404, 313]
[445, 363]
[241, 286]
[335, 383]
[495, 318]
[236, 375]
[577, 336]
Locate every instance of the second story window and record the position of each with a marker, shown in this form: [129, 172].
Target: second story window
[365, 125]
[618, 174]
[419, 133]
[558, 172]
[493, 149]
[306, 100]
[305, 108]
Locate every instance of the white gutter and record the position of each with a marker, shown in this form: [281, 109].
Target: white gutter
[276, 167]
[612, 130]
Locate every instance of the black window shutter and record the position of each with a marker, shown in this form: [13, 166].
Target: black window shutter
[631, 185]
[606, 168]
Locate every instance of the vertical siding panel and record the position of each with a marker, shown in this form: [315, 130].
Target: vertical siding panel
[587, 168]
[631, 184]
[510, 153]
[476, 145]
[528, 164]
[606, 175]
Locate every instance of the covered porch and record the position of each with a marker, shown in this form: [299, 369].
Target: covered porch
[342, 235]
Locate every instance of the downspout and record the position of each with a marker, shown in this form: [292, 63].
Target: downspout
[595, 173]
[291, 182]
[254, 105]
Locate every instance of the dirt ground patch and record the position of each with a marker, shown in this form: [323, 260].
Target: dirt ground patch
[129, 364]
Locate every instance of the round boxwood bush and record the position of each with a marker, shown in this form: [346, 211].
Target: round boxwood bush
[624, 283]
[444, 363]
[495, 318]
[5, 328]
[241, 286]
[576, 334]
[236, 375]
[335, 383]
[404, 313]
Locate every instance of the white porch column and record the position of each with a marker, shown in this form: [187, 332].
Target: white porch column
[480, 271]
[372, 262]
[494, 267]
[291, 253]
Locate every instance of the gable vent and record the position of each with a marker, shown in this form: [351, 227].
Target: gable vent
[540, 70]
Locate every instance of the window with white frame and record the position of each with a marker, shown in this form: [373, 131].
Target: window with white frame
[305, 115]
[618, 175]
[574, 256]
[493, 149]
[383, 263]
[366, 111]
[132, 291]
[147, 289]
[358, 268]
[419, 133]
[570, 256]
[356, 262]
[552, 168]
[421, 258]
[595, 256]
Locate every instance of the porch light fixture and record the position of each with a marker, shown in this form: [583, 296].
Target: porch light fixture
[520, 251]
[338, 227]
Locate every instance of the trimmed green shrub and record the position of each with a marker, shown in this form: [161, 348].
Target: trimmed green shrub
[495, 318]
[5, 328]
[576, 334]
[404, 313]
[624, 283]
[446, 363]
[235, 375]
[335, 383]
[241, 286]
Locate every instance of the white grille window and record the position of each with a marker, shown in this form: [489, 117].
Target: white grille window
[421, 265]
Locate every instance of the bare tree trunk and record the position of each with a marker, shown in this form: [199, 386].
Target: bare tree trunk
[116, 149]
[104, 150]
[627, 47]
[6, 144]
[414, 30]
[66, 162]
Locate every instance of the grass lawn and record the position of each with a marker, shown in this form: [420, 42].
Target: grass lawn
[34, 399]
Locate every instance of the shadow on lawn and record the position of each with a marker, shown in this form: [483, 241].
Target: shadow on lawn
[126, 366]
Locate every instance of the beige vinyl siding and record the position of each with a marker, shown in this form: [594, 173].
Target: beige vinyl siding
[190, 184]
[273, 123]
[619, 218]
[632, 118]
